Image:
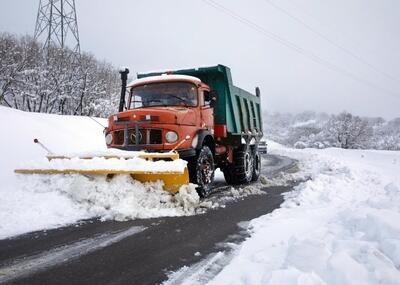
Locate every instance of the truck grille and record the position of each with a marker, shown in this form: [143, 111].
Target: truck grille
[146, 136]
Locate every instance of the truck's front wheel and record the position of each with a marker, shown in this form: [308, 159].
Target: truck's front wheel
[201, 170]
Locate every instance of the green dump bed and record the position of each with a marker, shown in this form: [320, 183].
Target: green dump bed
[236, 108]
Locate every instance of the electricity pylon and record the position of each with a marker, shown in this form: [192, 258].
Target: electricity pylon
[57, 26]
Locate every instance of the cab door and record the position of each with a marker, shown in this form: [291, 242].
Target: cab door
[206, 111]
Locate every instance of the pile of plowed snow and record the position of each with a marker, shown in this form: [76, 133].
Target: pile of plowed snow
[30, 203]
[119, 198]
[339, 227]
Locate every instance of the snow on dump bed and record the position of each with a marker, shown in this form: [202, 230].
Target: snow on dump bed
[340, 227]
[36, 202]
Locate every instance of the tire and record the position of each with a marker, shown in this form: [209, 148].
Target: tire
[256, 163]
[228, 174]
[241, 170]
[201, 171]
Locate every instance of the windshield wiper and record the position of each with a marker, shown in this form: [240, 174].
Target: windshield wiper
[177, 97]
[152, 100]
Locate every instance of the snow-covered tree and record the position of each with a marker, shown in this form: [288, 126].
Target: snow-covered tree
[53, 81]
[350, 131]
[320, 130]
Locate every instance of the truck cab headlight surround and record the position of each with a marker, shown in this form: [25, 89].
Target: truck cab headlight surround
[109, 139]
[195, 141]
[171, 137]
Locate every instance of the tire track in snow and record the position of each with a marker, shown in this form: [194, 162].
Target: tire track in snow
[28, 265]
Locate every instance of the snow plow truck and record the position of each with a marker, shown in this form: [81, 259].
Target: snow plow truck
[196, 112]
[196, 115]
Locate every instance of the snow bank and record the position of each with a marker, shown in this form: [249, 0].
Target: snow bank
[30, 203]
[60, 133]
[340, 227]
[120, 198]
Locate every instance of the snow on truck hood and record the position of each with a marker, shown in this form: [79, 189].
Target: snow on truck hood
[164, 77]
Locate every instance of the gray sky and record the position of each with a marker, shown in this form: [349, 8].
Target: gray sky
[153, 35]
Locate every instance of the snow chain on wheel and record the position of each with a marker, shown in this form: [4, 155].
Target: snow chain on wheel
[256, 163]
[201, 170]
[241, 171]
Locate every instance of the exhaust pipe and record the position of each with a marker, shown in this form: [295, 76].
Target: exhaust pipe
[124, 77]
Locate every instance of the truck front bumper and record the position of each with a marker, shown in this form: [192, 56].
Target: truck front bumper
[183, 153]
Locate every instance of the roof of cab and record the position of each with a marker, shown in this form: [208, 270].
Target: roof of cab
[164, 77]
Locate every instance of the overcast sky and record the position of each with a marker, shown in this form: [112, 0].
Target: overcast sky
[153, 35]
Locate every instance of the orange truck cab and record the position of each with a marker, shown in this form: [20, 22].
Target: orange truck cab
[199, 114]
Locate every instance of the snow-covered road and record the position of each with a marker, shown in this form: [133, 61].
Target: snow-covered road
[30, 203]
[341, 226]
[77, 254]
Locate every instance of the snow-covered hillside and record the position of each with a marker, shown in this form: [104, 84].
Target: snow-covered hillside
[340, 227]
[29, 203]
[320, 130]
[23, 211]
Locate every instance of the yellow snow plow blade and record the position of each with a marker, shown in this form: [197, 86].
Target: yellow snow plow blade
[173, 180]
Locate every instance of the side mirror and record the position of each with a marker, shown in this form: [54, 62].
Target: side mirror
[212, 97]
[207, 96]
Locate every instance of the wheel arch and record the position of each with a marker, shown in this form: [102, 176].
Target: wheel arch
[205, 138]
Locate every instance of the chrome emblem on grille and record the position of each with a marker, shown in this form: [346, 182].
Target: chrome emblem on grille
[133, 137]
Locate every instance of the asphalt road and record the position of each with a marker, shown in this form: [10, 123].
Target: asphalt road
[134, 252]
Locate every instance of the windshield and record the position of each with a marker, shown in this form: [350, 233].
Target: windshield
[163, 94]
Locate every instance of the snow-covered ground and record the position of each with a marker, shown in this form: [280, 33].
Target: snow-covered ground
[342, 226]
[29, 203]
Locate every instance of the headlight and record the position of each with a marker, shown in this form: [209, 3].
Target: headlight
[109, 139]
[171, 137]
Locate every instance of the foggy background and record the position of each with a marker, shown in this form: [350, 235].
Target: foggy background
[160, 35]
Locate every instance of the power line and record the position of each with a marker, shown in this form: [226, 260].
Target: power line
[316, 19]
[295, 47]
[344, 49]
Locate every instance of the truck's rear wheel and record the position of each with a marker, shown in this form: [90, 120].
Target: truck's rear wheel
[228, 174]
[201, 170]
[241, 171]
[256, 163]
